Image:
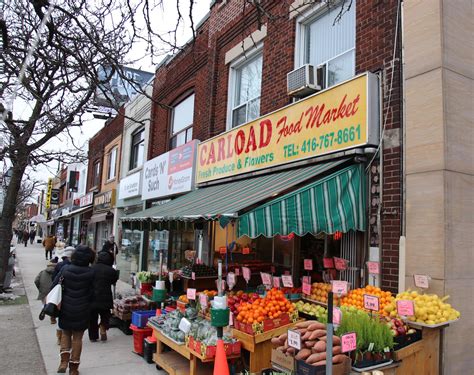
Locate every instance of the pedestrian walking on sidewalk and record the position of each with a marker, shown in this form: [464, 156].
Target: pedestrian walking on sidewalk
[105, 277]
[25, 237]
[32, 236]
[48, 244]
[43, 282]
[65, 259]
[19, 235]
[77, 280]
[10, 272]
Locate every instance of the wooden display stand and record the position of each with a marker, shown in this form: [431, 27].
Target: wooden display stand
[180, 360]
[259, 346]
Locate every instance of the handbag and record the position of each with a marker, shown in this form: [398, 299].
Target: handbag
[53, 301]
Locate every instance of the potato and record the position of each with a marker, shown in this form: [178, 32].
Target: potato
[319, 347]
[291, 351]
[317, 334]
[338, 358]
[305, 324]
[310, 343]
[316, 357]
[336, 350]
[303, 354]
[320, 363]
[316, 325]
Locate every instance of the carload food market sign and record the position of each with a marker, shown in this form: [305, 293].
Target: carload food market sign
[340, 118]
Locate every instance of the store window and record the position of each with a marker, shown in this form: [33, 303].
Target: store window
[245, 89]
[137, 150]
[158, 242]
[112, 164]
[327, 41]
[182, 122]
[128, 259]
[96, 174]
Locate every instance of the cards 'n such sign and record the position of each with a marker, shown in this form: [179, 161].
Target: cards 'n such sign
[308, 264]
[349, 342]
[287, 281]
[294, 339]
[405, 308]
[421, 281]
[371, 302]
[373, 268]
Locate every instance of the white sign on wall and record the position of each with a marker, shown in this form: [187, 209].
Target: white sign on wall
[170, 173]
[130, 186]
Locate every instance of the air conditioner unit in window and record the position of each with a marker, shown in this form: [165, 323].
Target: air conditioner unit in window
[305, 80]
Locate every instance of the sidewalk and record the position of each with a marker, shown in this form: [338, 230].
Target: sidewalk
[111, 357]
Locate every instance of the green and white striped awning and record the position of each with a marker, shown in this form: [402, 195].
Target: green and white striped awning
[229, 200]
[333, 203]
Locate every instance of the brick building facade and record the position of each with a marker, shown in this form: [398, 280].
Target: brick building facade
[233, 27]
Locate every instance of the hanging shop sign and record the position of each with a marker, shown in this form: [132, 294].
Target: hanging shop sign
[340, 118]
[104, 201]
[170, 173]
[48, 192]
[130, 186]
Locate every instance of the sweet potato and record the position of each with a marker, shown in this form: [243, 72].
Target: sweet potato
[338, 358]
[335, 340]
[336, 350]
[319, 347]
[317, 334]
[315, 357]
[320, 363]
[305, 324]
[291, 351]
[316, 325]
[310, 343]
[303, 354]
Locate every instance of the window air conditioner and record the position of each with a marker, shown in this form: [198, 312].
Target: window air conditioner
[305, 80]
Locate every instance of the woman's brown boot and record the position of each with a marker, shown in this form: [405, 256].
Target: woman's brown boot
[73, 368]
[59, 333]
[64, 362]
[103, 333]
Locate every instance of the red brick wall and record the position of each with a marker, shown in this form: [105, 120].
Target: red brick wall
[107, 134]
[201, 68]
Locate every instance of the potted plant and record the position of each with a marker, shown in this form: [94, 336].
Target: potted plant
[146, 279]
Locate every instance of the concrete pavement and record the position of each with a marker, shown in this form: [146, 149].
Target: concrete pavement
[111, 357]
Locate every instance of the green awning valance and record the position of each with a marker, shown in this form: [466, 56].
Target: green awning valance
[333, 203]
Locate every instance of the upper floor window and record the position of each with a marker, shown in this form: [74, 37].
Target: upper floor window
[182, 122]
[244, 90]
[112, 164]
[326, 41]
[96, 174]
[137, 149]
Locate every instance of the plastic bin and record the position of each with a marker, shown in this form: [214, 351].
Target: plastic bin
[139, 334]
[140, 318]
[149, 347]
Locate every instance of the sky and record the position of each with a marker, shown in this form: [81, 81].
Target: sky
[166, 20]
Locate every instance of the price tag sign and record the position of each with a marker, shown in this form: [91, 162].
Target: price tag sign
[308, 264]
[336, 315]
[294, 339]
[231, 318]
[328, 262]
[306, 288]
[421, 281]
[266, 278]
[287, 281]
[405, 308]
[374, 268]
[246, 273]
[340, 264]
[339, 287]
[222, 250]
[371, 302]
[191, 293]
[203, 301]
[193, 275]
[349, 342]
[246, 250]
[231, 280]
[237, 272]
[276, 282]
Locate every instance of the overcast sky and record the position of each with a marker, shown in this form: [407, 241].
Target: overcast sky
[166, 21]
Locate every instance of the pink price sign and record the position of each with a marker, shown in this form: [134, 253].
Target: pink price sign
[328, 262]
[276, 282]
[421, 281]
[405, 308]
[308, 264]
[307, 279]
[287, 281]
[371, 302]
[339, 287]
[349, 342]
[266, 278]
[203, 301]
[193, 275]
[191, 293]
[374, 268]
[306, 288]
[340, 264]
[246, 273]
[336, 315]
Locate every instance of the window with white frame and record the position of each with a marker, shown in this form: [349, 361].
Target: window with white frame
[244, 90]
[182, 122]
[324, 40]
[96, 173]
[137, 149]
[112, 164]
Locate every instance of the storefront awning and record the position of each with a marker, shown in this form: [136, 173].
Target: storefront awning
[230, 199]
[72, 213]
[333, 203]
[96, 218]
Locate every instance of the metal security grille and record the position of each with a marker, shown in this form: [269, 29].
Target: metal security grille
[349, 252]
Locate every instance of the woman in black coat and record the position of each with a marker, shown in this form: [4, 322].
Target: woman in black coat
[105, 277]
[77, 280]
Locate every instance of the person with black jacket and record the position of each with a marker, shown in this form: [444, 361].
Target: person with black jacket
[105, 277]
[77, 281]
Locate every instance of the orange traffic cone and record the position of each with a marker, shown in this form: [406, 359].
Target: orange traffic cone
[220, 364]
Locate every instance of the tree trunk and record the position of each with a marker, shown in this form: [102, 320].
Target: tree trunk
[8, 217]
